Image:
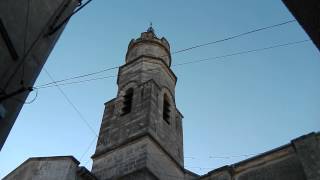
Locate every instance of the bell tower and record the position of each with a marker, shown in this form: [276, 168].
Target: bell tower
[141, 131]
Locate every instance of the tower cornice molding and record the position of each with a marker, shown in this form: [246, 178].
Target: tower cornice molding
[133, 43]
[167, 68]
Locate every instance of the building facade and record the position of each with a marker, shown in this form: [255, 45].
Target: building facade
[141, 131]
[141, 134]
[27, 36]
[308, 15]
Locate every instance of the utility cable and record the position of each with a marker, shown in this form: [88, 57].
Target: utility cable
[214, 156]
[55, 29]
[32, 45]
[38, 37]
[180, 51]
[72, 105]
[234, 36]
[185, 63]
[79, 76]
[77, 82]
[241, 53]
[87, 149]
[29, 102]
[233, 156]
[93, 79]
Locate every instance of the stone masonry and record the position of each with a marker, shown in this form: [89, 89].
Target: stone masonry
[142, 140]
[141, 135]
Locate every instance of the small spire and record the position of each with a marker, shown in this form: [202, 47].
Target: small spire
[150, 29]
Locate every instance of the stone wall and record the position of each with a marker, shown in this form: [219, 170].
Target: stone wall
[120, 135]
[286, 168]
[308, 151]
[50, 168]
[122, 161]
[141, 155]
[299, 160]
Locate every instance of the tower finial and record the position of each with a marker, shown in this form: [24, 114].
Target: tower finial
[150, 29]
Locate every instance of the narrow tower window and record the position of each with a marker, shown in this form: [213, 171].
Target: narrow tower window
[166, 109]
[127, 102]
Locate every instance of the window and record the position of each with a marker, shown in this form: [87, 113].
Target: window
[127, 102]
[166, 109]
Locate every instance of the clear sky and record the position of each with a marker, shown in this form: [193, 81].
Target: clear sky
[240, 105]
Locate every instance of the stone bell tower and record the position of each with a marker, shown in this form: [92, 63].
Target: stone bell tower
[141, 131]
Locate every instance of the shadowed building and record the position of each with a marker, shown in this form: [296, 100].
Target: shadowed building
[141, 133]
[307, 12]
[27, 36]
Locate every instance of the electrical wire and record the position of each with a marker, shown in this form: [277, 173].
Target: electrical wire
[79, 76]
[35, 97]
[233, 156]
[87, 149]
[48, 85]
[213, 156]
[29, 102]
[94, 79]
[180, 51]
[77, 82]
[55, 83]
[234, 36]
[23, 58]
[242, 52]
[55, 29]
[72, 105]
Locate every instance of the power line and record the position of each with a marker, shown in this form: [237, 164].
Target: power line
[234, 36]
[92, 79]
[26, 52]
[180, 51]
[185, 63]
[233, 156]
[76, 82]
[79, 76]
[223, 157]
[183, 50]
[72, 105]
[79, 114]
[88, 148]
[213, 156]
[55, 29]
[29, 102]
[242, 52]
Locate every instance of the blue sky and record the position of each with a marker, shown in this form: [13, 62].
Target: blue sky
[240, 105]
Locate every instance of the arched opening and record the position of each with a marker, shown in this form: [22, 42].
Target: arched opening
[166, 109]
[127, 102]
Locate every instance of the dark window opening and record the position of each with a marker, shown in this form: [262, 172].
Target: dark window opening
[127, 102]
[166, 109]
